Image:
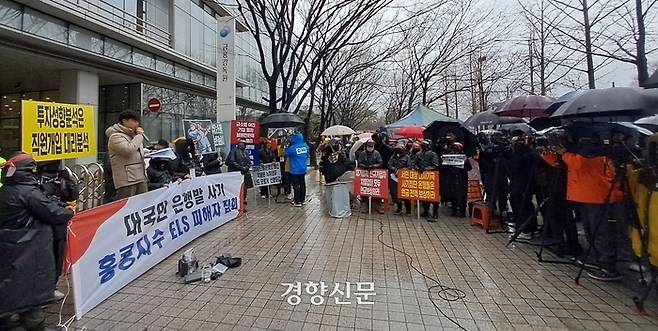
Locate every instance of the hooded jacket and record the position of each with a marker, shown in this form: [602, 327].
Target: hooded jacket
[126, 156]
[158, 173]
[26, 243]
[298, 155]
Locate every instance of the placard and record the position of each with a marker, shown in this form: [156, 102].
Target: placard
[266, 174]
[371, 183]
[414, 185]
[247, 130]
[218, 135]
[111, 245]
[57, 131]
[200, 131]
[453, 160]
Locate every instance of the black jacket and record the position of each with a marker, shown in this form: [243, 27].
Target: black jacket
[238, 160]
[398, 162]
[27, 279]
[158, 174]
[385, 151]
[426, 160]
[370, 160]
[336, 169]
[267, 156]
[211, 164]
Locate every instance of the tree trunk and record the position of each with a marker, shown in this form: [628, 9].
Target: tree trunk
[641, 60]
[588, 46]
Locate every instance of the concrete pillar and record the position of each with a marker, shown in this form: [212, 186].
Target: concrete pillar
[81, 87]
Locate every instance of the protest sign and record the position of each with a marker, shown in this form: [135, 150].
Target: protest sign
[200, 131]
[454, 160]
[111, 245]
[414, 185]
[218, 135]
[371, 183]
[266, 174]
[57, 131]
[246, 130]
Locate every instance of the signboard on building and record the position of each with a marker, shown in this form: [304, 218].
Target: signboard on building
[371, 183]
[225, 69]
[414, 185]
[112, 245]
[57, 131]
[266, 174]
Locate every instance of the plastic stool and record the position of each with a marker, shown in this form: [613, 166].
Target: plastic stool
[482, 214]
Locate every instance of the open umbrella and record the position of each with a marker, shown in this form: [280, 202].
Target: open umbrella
[528, 106]
[650, 123]
[609, 103]
[338, 130]
[281, 120]
[438, 130]
[560, 101]
[365, 135]
[523, 127]
[413, 131]
[489, 118]
[542, 123]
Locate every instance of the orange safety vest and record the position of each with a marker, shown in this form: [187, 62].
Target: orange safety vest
[589, 179]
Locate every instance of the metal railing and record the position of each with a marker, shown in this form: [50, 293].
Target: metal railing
[91, 184]
[118, 19]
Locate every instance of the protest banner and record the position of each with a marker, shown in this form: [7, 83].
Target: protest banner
[111, 245]
[57, 131]
[421, 186]
[247, 130]
[266, 174]
[453, 160]
[218, 135]
[200, 131]
[371, 183]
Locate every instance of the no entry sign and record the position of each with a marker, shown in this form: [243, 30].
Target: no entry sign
[153, 105]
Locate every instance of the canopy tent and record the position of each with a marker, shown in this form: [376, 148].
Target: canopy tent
[421, 116]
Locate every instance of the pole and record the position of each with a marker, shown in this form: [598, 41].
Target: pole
[418, 209]
[369, 205]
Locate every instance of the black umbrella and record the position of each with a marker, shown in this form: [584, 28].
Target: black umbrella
[438, 130]
[610, 103]
[560, 101]
[281, 120]
[489, 118]
[650, 123]
[542, 123]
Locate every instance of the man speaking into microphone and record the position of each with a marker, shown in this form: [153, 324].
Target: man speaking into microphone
[125, 145]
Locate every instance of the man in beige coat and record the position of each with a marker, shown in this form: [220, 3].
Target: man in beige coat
[126, 151]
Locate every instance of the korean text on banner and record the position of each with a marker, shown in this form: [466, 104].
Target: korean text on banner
[414, 185]
[57, 131]
[371, 183]
[266, 174]
[247, 130]
[111, 245]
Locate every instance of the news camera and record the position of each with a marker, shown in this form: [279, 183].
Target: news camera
[493, 142]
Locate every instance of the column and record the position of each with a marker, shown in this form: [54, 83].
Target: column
[81, 87]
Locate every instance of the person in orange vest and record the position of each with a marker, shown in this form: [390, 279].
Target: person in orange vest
[590, 178]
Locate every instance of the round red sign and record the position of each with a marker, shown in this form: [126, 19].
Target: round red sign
[153, 105]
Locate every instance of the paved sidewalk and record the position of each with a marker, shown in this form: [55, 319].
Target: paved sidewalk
[504, 288]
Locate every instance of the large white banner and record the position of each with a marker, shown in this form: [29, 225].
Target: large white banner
[225, 69]
[111, 245]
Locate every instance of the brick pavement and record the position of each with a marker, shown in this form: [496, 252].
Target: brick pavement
[504, 288]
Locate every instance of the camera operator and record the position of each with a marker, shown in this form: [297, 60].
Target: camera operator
[494, 150]
[590, 176]
[522, 164]
[59, 187]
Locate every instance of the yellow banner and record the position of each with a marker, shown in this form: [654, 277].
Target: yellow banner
[56, 131]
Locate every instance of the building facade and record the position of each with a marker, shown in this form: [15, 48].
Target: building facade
[116, 55]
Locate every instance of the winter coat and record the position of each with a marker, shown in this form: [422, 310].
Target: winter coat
[27, 279]
[158, 174]
[180, 167]
[333, 170]
[370, 160]
[398, 162]
[298, 154]
[61, 190]
[385, 151]
[212, 164]
[267, 156]
[426, 160]
[238, 160]
[126, 156]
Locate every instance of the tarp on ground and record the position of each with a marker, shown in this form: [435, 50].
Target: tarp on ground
[420, 116]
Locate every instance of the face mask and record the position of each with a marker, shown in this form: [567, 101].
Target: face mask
[370, 149]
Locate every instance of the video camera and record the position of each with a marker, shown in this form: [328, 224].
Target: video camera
[492, 141]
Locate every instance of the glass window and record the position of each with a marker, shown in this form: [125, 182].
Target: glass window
[44, 25]
[197, 38]
[143, 59]
[184, 5]
[197, 77]
[117, 50]
[210, 81]
[157, 15]
[85, 39]
[182, 72]
[164, 66]
[10, 14]
[182, 23]
[210, 40]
